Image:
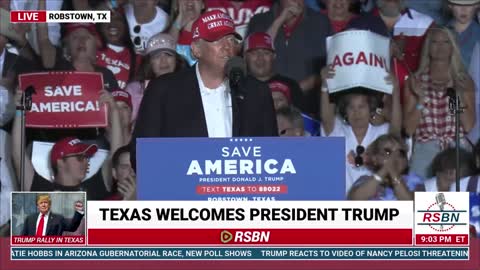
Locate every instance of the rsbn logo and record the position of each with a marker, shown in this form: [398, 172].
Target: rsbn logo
[441, 215]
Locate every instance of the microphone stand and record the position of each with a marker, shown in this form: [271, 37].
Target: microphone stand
[456, 109]
[26, 105]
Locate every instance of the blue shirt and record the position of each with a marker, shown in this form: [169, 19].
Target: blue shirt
[386, 194]
[433, 8]
[467, 41]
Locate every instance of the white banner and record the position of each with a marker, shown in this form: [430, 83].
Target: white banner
[41, 160]
[360, 59]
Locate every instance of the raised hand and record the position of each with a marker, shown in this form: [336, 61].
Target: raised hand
[128, 188]
[78, 206]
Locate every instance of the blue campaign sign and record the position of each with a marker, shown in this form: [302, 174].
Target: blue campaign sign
[296, 168]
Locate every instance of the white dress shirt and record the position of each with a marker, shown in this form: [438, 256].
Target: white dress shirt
[217, 106]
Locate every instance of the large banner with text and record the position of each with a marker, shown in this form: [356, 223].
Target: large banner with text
[235, 169]
[364, 65]
[65, 100]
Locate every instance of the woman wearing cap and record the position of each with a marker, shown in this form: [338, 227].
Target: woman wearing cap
[161, 59]
[356, 109]
[426, 108]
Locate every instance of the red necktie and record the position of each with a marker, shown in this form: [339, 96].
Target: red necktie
[40, 226]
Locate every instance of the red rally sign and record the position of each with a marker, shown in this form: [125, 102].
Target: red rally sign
[65, 100]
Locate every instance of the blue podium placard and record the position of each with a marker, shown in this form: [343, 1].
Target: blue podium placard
[220, 169]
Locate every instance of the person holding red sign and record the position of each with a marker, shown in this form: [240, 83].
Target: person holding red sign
[124, 104]
[70, 158]
[199, 101]
[81, 41]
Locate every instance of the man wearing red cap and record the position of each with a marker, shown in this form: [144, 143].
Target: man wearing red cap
[299, 35]
[260, 55]
[198, 102]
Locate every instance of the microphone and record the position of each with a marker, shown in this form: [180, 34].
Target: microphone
[236, 70]
[452, 99]
[440, 198]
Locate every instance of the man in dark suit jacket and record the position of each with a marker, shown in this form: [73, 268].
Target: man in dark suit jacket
[189, 103]
[48, 223]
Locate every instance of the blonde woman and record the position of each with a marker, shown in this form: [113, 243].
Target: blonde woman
[426, 108]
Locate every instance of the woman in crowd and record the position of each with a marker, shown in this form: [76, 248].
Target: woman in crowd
[184, 13]
[161, 59]
[444, 172]
[117, 54]
[145, 19]
[339, 13]
[386, 157]
[356, 109]
[428, 118]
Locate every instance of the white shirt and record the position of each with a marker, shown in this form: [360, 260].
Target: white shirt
[47, 215]
[147, 30]
[217, 106]
[342, 129]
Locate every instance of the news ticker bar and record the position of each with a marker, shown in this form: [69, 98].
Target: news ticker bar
[240, 253]
[59, 16]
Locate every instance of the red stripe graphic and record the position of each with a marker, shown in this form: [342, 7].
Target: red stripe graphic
[250, 236]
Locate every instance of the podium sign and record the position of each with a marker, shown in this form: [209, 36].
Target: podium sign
[226, 169]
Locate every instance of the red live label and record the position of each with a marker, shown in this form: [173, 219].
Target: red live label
[27, 16]
[441, 239]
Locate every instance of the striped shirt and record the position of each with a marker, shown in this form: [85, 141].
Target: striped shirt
[436, 122]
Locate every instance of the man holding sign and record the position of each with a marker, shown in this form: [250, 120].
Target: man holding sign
[70, 159]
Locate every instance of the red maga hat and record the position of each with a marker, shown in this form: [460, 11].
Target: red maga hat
[213, 25]
[71, 146]
[259, 40]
